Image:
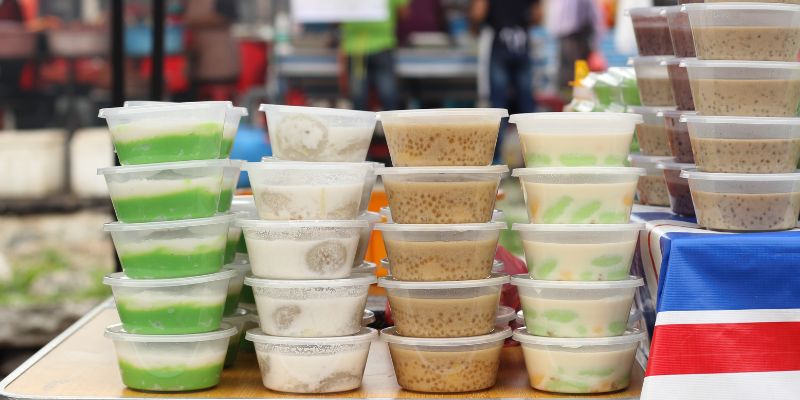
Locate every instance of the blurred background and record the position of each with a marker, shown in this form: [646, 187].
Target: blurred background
[57, 70]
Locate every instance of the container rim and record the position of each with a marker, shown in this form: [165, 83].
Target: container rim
[695, 63]
[523, 280]
[505, 314]
[373, 164]
[116, 332]
[650, 110]
[492, 169]
[355, 280]
[629, 337]
[390, 336]
[121, 280]
[578, 171]
[316, 110]
[439, 112]
[117, 226]
[123, 111]
[646, 11]
[260, 223]
[672, 165]
[649, 60]
[740, 6]
[646, 162]
[497, 278]
[364, 335]
[306, 165]
[124, 169]
[487, 226]
[570, 116]
[632, 226]
[705, 119]
[719, 176]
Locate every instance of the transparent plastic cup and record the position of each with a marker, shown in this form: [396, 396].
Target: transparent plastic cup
[193, 361]
[652, 187]
[579, 366]
[469, 306]
[312, 365]
[575, 139]
[171, 249]
[651, 30]
[311, 308]
[680, 144]
[386, 214]
[319, 134]
[745, 88]
[745, 202]
[652, 78]
[442, 195]
[230, 178]
[652, 134]
[567, 309]
[238, 319]
[366, 267]
[170, 306]
[165, 192]
[446, 365]
[505, 315]
[679, 81]
[745, 144]
[365, 236]
[243, 207]
[497, 265]
[680, 197]
[579, 252]
[756, 32]
[441, 252]
[442, 137]
[302, 249]
[242, 267]
[680, 30]
[166, 133]
[582, 195]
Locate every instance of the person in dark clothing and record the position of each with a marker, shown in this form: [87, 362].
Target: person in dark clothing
[578, 25]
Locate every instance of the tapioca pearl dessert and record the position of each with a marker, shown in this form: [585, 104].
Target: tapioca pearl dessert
[746, 212]
[756, 98]
[680, 31]
[441, 260]
[681, 89]
[680, 143]
[600, 317]
[746, 156]
[575, 150]
[552, 203]
[441, 202]
[451, 143]
[652, 190]
[308, 202]
[653, 140]
[579, 261]
[152, 142]
[680, 197]
[756, 43]
[651, 31]
[655, 91]
[444, 317]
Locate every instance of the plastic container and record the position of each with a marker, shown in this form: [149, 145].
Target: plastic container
[652, 187]
[170, 306]
[307, 190]
[319, 134]
[237, 319]
[579, 252]
[311, 308]
[745, 145]
[680, 30]
[442, 137]
[745, 88]
[170, 363]
[230, 178]
[166, 133]
[243, 206]
[679, 82]
[242, 267]
[442, 195]
[450, 365]
[386, 214]
[302, 249]
[652, 78]
[165, 192]
[579, 366]
[497, 266]
[680, 197]
[745, 202]
[576, 309]
[365, 235]
[678, 136]
[652, 134]
[504, 317]
[441, 252]
[629, 92]
[584, 195]
[312, 365]
[575, 139]
[651, 30]
[368, 318]
[366, 267]
[444, 309]
[757, 32]
[171, 249]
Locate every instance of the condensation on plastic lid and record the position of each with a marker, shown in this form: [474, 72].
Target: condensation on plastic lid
[125, 169]
[719, 176]
[119, 279]
[633, 226]
[629, 337]
[524, 280]
[307, 165]
[571, 116]
[703, 119]
[672, 165]
[646, 11]
[355, 280]
[116, 332]
[257, 336]
[505, 314]
[488, 226]
[315, 110]
[444, 112]
[695, 63]
[741, 6]
[497, 278]
[578, 171]
[158, 108]
[389, 335]
[183, 223]
[298, 224]
[492, 169]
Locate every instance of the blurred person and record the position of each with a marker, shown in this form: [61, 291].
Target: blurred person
[578, 25]
[214, 51]
[422, 16]
[370, 50]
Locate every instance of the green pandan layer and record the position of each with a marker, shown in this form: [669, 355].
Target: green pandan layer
[164, 263]
[225, 147]
[242, 247]
[201, 142]
[572, 160]
[192, 203]
[170, 379]
[225, 200]
[230, 250]
[171, 320]
[231, 303]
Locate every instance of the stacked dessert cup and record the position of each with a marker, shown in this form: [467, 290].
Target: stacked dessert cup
[441, 247]
[172, 197]
[577, 295]
[745, 134]
[306, 246]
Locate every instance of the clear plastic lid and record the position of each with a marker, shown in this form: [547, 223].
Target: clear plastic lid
[672, 165]
[677, 114]
[494, 169]
[651, 115]
[116, 332]
[238, 267]
[184, 223]
[488, 226]
[497, 278]
[561, 171]
[699, 64]
[355, 280]
[444, 112]
[633, 226]
[307, 165]
[525, 281]
[143, 110]
[257, 336]
[743, 6]
[505, 315]
[366, 267]
[239, 314]
[125, 169]
[649, 163]
[573, 116]
[629, 337]
[235, 163]
[718, 176]
[704, 119]
[389, 335]
[371, 165]
[649, 61]
[119, 279]
[646, 11]
[323, 111]
[370, 216]
[299, 224]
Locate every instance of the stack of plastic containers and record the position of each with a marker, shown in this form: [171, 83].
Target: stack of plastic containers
[303, 246]
[577, 296]
[745, 137]
[441, 245]
[170, 196]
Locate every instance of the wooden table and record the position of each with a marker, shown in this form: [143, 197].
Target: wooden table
[81, 364]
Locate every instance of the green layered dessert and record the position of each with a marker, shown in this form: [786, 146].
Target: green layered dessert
[148, 145]
[225, 147]
[190, 198]
[225, 199]
[166, 318]
[170, 379]
[173, 258]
